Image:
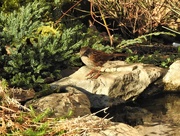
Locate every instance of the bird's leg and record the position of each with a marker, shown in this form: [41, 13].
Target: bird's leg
[91, 72]
[94, 74]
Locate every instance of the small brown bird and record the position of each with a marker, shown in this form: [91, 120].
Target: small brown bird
[94, 58]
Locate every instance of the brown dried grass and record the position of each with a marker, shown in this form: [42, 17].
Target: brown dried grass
[136, 16]
[81, 125]
[16, 119]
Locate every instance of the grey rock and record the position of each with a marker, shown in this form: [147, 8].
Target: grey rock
[172, 78]
[61, 104]
[157, 129]
[121, 129]
[119, 82]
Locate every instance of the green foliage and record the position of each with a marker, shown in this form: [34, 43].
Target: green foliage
[141, 39]
[38, 124]
[4, 84]
[31, 132]
[9, 5]
[157, 59]
[19, 26]
[99, 46]
[40, 130]
[36, 50]
[39, 117]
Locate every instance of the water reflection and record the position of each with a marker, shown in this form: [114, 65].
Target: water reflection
[164, 107]
[158, 115]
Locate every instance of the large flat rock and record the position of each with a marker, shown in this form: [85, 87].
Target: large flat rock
[117, 83]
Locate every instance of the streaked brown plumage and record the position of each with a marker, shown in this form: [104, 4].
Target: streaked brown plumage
[94, 58]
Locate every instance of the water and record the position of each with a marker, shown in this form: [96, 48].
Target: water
[158, 115]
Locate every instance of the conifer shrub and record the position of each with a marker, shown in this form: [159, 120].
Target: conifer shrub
[32, 50]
